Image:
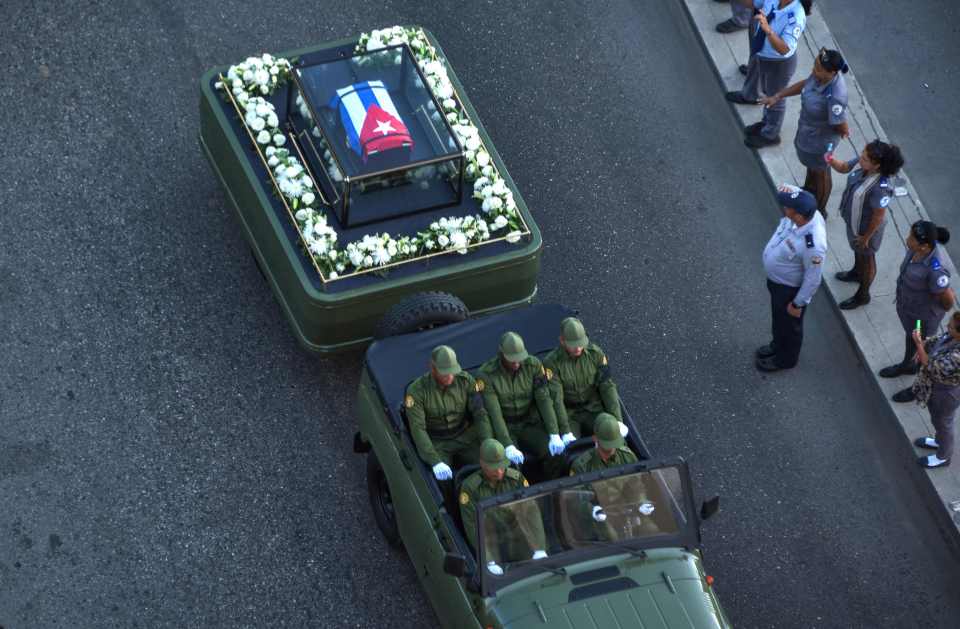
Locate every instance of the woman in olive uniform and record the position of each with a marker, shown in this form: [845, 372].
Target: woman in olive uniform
[938, 388]
[923, 295]
[823, 120]
[864, 210]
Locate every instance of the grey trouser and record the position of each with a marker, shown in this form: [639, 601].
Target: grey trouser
[769, 76]
[928, 327]
[741, 14]
[943, 406]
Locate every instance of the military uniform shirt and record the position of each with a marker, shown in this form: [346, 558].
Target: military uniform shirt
[794, 256]
[476, 488]
[787, 23]
[584, 381]
[442, 411]
[591, 461]
[821, 108]
[516, 396]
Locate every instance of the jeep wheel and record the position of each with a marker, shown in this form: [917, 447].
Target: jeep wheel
[421, 312]
[381, 502]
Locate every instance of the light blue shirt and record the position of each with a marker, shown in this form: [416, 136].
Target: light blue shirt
[793, 259]
[788, 23]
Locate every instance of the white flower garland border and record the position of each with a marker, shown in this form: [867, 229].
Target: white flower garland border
[257, 77]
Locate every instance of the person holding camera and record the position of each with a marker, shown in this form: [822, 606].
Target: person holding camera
[773, 60]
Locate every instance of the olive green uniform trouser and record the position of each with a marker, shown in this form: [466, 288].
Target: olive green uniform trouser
[531, 437]
[464, 449]
[583, 418]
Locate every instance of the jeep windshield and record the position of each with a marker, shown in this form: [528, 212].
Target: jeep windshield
[556, 524]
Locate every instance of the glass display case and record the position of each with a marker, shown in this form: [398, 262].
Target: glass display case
[373, 136]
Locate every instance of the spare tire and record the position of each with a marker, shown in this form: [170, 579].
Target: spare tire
[421, 312]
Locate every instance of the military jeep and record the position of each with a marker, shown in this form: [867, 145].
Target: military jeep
[632, 570]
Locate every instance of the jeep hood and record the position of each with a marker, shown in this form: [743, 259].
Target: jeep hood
[665, 591]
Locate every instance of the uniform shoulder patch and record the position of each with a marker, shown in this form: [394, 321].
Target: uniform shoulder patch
[837, 109]
[884, 201]
[464, 498]
[548, 372]
[934, 263]
[816, 260]
[479, 385]
[409, 402]
[808, 238]
[943, 281]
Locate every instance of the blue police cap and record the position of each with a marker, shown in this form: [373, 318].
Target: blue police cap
[801, 201]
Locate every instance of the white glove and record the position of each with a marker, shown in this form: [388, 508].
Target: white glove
[598, 514]
[645, 509]
[515, 456]
[494, 568]
[624, 431]
[442, 471]
[556, 445]
[539, 554]
[568, 438]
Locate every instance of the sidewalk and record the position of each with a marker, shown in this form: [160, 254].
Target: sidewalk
[874, 328]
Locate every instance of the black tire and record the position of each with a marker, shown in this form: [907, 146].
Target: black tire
[381, 502]
[421, 312]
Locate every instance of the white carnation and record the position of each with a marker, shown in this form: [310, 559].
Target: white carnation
[513, 236]
[279, 139]
[308, 198]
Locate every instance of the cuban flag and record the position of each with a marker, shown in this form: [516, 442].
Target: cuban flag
[372, 122]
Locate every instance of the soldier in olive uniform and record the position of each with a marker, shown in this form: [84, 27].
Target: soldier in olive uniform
[517, 526]
[624, 498]
[517, 397]
[580, 381]
[437, 404]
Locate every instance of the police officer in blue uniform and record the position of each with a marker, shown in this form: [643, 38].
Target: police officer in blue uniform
[923, 294]
[793, 260]
[773, 60]
[863, 208]
[823, 120]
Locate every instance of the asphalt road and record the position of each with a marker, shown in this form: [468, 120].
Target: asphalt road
[914, 90]
[170, 458]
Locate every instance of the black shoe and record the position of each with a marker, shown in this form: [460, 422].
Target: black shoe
[854, 302]
[904, 395]
[924, 461]
[737, 97]
[759, 141]
[753, 129]
[848, 276]
[743, 69]
[900, 369]
[729, 26]
[928, 443]
[768, 364]
[766, 351]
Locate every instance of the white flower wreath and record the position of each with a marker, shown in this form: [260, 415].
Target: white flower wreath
[260, 76]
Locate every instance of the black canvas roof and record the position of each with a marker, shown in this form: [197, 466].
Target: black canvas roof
[393, 362]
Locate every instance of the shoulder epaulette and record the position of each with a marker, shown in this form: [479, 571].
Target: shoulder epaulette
[808, 238]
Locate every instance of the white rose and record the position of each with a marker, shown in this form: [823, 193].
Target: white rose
[273, 161]
[480, 183]
[264, 90]
[279, 139]
[248, 76]
[307, 182]
[270, 150]
[263, 137]
[333, 257]
[356, 258]
[443, 241]
[272, 120]
[333, 275]
[309, 197]
[458, 241]
[261, 76]
[449, 103]
[218, 85]
[499, 187]
[486, 171]
[483, 158]
[257, 124]
[495, 203]
[374, 44]
[473, 143]
[487, 192]
[301, 215]
[500, 222]
[367, 261]
[267, 57]
[263, 108]
[452, 117]
[513, 236]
